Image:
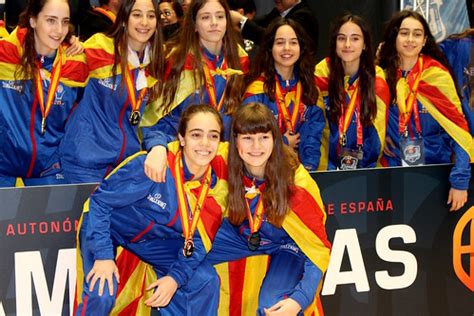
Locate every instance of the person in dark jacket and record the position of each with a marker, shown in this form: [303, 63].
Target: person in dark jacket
[297, 10]
[99, 18]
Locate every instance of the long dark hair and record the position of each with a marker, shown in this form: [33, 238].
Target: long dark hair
[279, 171]
[336, 93]
[304, 66]
[119, 33]
[388, 57]
[189, 44]
[27, 66]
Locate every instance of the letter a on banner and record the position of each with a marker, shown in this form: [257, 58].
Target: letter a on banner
[345, 239]
[461, 250]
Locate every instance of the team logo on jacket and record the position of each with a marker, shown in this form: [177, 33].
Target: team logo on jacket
[108, 83]
[13, 85]
[156, 199]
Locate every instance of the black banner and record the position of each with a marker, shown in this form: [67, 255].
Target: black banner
[37, 247]
[392, 236]
[397, 250]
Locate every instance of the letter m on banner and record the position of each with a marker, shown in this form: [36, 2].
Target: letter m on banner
[28, 267]
[461, 250]
[444, 17]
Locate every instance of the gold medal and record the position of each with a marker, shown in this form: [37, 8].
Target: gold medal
[135, 118]
[188, 248]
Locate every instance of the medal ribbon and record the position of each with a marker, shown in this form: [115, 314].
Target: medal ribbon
[134, 102]
[189, 221]
[109, 14]
[345, 118]
[255, 221]
[223, 71]
[283, 105]
[54, 82]
[408, 105]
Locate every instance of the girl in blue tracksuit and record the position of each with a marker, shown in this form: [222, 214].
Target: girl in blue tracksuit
[275, 209]
[170, 225]
[206, 65]
[355, 99]
[124, 66]
[426, 121]
[39, 87]
[283, 80]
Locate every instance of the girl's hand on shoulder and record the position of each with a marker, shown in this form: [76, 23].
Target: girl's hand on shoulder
[103, 270]
[286, 307]
[76, 47]
[165, 288]
[155, 164]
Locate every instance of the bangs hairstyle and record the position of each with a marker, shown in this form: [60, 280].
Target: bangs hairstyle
[256, 118]
[194, 109]
[336, 92]
[119, 32]
[388, 57]
[27, 66]
[188, 43]
[303, 67]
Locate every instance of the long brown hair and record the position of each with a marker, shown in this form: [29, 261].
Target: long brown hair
[389, 59]
[336, 95]
[279, 171]
[28, 60]
[304, 66]
[189, 44]
[119, 33]
[194, 109]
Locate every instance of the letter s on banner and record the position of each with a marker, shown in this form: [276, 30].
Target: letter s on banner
[383, 278]
[468, 250]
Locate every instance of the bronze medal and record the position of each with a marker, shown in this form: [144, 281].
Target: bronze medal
[254, 241]
[188, 248]
[135, 117]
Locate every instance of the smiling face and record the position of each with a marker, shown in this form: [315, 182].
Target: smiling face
[200, 142]
[255, 150]
[211, 23]
[350, 43]
[410, 39]
[50, 26]
[168, 15]
[141, 24]
[285, 49]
